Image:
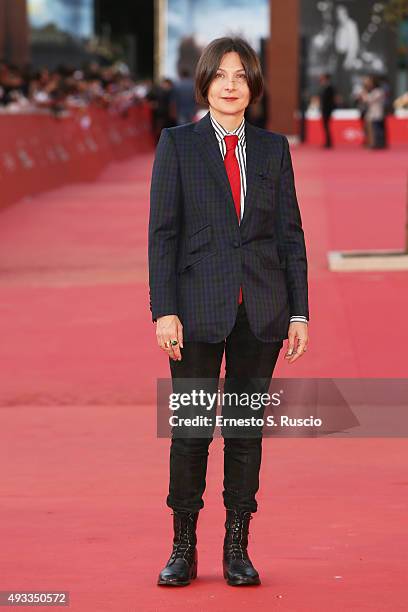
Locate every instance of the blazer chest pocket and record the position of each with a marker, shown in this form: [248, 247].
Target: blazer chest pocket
[266, 198]
[268, 184]
[268, 181]
[271, 258]
[272, 263]
[200, 239]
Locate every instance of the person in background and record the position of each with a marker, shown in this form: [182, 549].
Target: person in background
[388, 108]
[257, 113]
[159, 97]
[373, 96]
[327, 97]
[359, 102]
[12, 84]
[183, 100]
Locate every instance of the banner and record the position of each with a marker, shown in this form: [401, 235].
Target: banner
[191, 24]
[349, 40]
[39, 152]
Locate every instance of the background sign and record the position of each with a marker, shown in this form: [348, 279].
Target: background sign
[192, 24]
[349, 40]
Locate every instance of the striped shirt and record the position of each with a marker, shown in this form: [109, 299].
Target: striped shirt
[240, 153]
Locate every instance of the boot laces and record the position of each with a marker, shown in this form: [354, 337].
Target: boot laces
[183, 545]
[235, 546]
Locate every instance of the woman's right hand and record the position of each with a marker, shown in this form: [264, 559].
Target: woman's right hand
[169, 328]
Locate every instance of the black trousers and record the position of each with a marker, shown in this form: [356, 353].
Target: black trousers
[326, 127]
[249, 364]
[378, 128]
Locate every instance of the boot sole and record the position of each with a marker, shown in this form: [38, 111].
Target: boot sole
[241, 581]
[163, 582]
[173, 583]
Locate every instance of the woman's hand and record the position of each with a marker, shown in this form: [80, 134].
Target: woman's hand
[298, 333]
[169, 328]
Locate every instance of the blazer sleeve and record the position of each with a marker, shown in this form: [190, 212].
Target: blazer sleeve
[164, 223]
[291, 238]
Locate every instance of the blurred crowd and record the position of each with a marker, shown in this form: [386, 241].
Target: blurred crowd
[172, 102]
[66, 88]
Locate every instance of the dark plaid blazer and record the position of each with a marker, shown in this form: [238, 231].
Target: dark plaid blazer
[199, 255]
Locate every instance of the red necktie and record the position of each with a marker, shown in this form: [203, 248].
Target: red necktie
[232, 168]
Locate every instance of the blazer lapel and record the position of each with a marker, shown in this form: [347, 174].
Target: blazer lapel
[256, 161]
[209, 147]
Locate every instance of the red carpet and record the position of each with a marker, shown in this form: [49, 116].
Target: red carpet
[84, 478]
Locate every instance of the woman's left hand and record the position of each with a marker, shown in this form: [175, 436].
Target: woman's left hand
[297, 334]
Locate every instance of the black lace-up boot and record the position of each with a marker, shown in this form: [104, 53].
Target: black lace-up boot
[181, 568]
[237, 566]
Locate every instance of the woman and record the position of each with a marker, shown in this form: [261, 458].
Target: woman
[227, 272]
[374, 98]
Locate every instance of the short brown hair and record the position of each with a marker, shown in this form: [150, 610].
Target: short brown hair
[210, 61]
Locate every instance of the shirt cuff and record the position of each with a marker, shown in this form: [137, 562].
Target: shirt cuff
[299, 319]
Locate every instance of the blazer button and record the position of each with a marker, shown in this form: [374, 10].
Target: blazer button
[235, 244]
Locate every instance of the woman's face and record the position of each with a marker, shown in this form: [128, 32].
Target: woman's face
[229, 93]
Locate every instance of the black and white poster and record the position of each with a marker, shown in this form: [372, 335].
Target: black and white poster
[349, 40]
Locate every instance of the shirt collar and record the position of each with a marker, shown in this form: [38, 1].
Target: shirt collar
[220, 131]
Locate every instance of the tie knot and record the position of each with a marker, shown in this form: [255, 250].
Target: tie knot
[231, 141]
